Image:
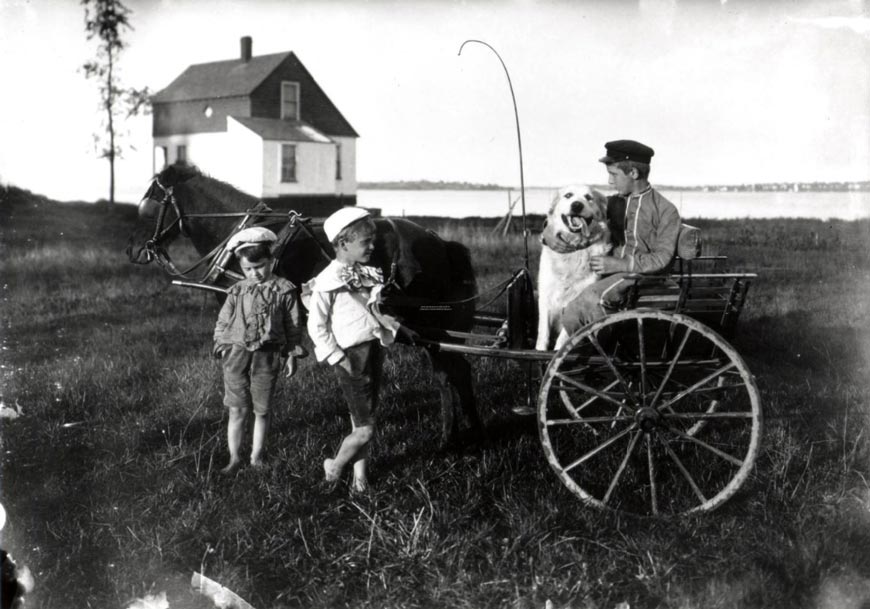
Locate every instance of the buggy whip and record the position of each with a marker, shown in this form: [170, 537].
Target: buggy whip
[519, 145]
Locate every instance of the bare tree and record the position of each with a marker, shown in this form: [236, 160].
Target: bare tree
[107, 20]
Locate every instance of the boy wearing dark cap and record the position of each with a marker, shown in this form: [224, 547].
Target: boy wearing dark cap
[644, 227]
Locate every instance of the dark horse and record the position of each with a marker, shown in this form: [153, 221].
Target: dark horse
[426, 270]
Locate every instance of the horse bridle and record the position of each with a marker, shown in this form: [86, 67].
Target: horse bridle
[153, 250]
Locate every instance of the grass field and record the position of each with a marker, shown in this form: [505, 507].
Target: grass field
[109, 475]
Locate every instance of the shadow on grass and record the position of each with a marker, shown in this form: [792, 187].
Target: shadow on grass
[807, 347]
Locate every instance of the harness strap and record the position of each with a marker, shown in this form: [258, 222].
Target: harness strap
[426, 303]
[167, 265]
[311, 234]
[215, 254]
[394, 265]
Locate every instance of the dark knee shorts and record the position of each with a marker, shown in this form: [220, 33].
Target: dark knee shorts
[604, 296]
[249, 378]
[360, 386]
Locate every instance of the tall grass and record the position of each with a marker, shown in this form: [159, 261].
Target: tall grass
[110, 474]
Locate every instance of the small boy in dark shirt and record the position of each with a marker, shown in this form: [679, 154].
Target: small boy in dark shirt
[258, 325]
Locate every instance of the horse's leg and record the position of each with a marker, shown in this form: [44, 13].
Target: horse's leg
[460, 377]
[448, 397]
[453, 374]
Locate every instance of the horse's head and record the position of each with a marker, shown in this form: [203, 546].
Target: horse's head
[160, 214]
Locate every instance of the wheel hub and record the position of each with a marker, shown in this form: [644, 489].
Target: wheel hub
[648, 418]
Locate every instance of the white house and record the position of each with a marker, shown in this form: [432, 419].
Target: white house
[262, 124]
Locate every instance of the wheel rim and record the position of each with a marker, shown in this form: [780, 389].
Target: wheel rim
[651, 413]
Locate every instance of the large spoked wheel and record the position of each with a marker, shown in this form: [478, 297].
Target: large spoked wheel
[649, 412]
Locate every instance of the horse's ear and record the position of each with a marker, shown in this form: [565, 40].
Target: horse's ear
[168, 176]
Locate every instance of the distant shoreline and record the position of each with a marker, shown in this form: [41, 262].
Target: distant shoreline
[856, 186]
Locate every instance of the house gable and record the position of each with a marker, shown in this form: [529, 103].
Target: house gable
[316, 108]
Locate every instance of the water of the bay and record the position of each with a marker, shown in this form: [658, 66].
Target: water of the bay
[849, 205]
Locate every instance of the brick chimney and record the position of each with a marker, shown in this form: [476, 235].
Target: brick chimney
[247, 44]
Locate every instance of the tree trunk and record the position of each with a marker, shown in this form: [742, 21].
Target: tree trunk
[110, 106]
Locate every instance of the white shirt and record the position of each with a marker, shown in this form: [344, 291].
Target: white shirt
[339, 317]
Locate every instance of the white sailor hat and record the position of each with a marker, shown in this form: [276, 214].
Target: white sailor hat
[342, 218]
[251, 236]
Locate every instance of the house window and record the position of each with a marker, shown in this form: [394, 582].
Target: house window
[338, 161]
[161, 159]
[290, 101]
[181, 153]
[288, 163]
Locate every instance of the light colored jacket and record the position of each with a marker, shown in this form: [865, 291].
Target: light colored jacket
[652, 226]
[260, 315]
[340, 317]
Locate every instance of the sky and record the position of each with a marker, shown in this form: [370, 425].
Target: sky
[725, 91]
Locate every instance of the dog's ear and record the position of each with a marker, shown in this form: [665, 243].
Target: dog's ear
[557, 196]
[600, 201]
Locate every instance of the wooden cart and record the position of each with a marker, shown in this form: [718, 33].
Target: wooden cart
[649, 410]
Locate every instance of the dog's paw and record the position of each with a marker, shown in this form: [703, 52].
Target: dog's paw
[561, 339]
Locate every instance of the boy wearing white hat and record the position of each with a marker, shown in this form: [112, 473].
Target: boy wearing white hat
[258, 325]
[348, 333]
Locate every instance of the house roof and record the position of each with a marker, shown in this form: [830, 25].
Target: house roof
[279, 129]
[229, 78]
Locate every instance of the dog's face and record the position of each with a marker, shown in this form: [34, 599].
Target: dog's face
[577, 219]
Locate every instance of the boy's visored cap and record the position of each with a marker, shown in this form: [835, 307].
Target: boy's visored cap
[252, 235]
[626, 150]
[342, 218]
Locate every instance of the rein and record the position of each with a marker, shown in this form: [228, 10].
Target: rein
[156, 252]
[218, 256]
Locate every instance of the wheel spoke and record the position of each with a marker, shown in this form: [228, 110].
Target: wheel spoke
[642, 353]
[692, 388]
[684, 471]
[622, 465]
[587, 420]
[703, 444]
[709, 415]
[616, 373]
[719, 389]
[584, 387]
[576, 410]
[671, 367]
[600, 447]
[654, 500]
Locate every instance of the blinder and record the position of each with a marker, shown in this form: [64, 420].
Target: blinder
[151, 203]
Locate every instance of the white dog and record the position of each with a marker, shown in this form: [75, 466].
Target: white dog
[576, 229]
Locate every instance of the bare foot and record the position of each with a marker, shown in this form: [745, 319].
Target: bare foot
[231, 467]
[258, 464]
[331, 473]
[360, 485]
